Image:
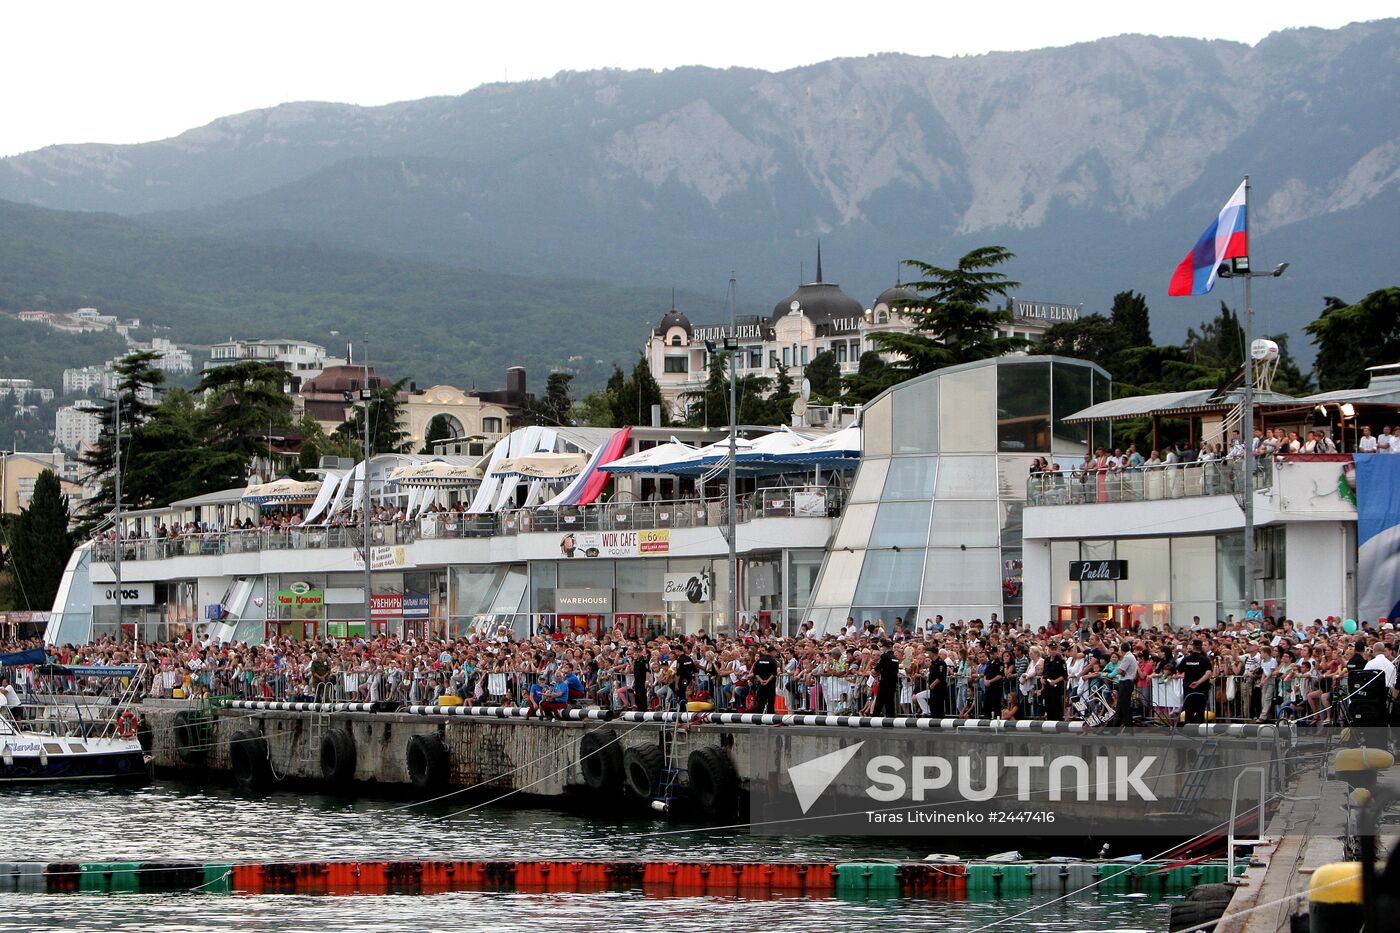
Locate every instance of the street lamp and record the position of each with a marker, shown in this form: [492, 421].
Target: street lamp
[1238, 268]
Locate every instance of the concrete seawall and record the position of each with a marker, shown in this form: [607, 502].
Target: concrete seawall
[541, 759]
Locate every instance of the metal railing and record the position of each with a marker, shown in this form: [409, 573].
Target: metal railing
[1085, 485]
[253, 540]
[797, 502]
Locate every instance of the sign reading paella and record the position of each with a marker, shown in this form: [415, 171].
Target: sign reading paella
[616, 543]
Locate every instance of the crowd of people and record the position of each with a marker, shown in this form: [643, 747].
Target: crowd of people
[1254, 669]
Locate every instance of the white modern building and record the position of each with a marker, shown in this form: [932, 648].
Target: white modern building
[77, 424]
[24, 392]
[82, 379]
[301, 360]
[169, 357]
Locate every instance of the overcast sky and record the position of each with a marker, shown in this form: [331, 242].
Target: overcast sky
[133, 71]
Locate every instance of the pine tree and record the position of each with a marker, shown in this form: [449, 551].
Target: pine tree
[1132, 319]
[385, 436]
[139, 381]
[40, 545]
[244, 402]
[823, 373]
[951, 316]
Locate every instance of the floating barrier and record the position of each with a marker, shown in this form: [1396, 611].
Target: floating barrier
[945, 880]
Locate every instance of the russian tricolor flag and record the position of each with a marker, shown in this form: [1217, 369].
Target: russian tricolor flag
[1224, 239]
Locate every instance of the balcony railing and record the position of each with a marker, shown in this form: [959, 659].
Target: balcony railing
[800, 502]
[1146, 483]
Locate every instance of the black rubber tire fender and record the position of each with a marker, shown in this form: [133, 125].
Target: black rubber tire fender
[1187, 914]
[1211, 892]
[249, 760]
[145, 736]
[713, 780]
[189, 737]
[642, 766]
[338, 756]
[600, 760]
[428, 762]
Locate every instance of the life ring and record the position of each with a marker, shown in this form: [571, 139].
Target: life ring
[338, 756]
[643, 765]
[428, 762]
[127, 724]
[713, 781]
[600, 760]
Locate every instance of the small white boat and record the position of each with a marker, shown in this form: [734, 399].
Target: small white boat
[73, 724]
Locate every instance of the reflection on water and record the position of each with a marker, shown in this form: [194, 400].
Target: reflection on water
[177, 821]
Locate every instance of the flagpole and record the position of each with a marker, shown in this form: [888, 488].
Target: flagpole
[1247, 423]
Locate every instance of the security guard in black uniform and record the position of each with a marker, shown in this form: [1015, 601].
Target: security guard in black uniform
[1196, 675]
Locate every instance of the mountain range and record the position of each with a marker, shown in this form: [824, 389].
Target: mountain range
[1098, 164]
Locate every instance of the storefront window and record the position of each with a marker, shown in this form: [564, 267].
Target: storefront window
[1229, 574]
[1097, 592]
[1149, 570]
[639, 584]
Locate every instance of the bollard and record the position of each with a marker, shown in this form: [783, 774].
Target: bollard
[1334, 898]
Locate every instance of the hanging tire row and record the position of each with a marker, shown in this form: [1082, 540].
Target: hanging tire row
[609, 771]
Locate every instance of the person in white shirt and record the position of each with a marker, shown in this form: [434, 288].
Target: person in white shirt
[1381, 661]
[1386, 442]
[1127, 680]
[1366, 444]
[10, 699]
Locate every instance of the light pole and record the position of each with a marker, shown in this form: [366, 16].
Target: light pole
[366, 549]
[1238, 268]
[117, 512]
[731, 343]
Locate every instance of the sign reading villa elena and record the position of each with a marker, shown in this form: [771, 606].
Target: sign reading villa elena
[1044, 311]
[616, 543]
[1098, 570]
[717, 332]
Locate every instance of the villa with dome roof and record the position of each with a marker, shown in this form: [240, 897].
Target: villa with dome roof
[818, 317]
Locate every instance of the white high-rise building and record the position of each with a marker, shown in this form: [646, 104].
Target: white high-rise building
[77, 424]
[80, 380]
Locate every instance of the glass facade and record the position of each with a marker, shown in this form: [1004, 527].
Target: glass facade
[935, 521]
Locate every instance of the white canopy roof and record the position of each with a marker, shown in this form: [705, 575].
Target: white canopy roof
[840, 448]
[550, 466]
[285, 490]
[659, 459]
[435, 474]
